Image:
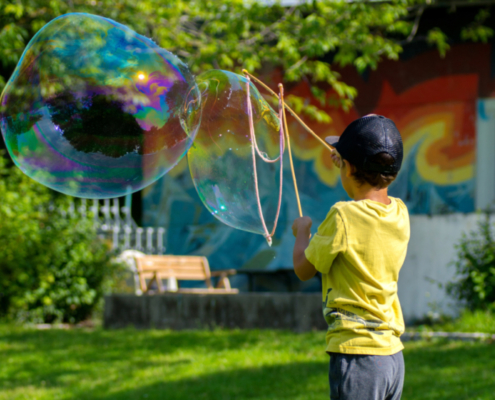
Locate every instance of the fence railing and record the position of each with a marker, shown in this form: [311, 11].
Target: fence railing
[115, 223]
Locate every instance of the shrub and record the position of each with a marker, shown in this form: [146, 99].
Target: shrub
[53, 267]
[475, 268]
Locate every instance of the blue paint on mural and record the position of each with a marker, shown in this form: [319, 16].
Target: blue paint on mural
[425, 197]
[173, 202]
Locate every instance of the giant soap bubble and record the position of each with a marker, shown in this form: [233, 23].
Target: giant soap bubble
[95, 110]
[237, 170]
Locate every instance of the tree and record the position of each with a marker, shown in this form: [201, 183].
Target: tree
[53, 267]
[309, 42]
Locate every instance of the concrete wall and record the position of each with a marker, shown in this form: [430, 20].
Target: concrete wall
[295, 311]
[430, 252]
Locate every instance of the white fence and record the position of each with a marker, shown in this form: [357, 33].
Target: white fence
[115, 223]
[428, 263]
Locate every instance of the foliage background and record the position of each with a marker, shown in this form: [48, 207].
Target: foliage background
[309, 41]
[475, 268]
[53, 267]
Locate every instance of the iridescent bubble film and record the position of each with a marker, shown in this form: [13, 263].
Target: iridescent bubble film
[221, 159]
[95, 110]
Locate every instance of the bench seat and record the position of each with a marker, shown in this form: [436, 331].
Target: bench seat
[156, 268]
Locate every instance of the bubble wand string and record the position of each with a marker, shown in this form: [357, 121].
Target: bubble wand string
[283, 127]
[291, 111]
[255, 149]
[281, 176]
[281, 99]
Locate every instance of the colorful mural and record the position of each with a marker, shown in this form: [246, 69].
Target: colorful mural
[434, 108]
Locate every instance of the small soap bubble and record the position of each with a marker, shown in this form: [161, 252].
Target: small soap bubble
[95, 110]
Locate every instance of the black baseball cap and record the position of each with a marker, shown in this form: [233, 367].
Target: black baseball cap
[366, 137]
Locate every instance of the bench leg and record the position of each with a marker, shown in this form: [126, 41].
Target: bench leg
[159, 284]
[224, 282]
[156, 278]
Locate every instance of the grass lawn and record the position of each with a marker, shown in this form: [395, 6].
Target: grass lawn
[469, 321]
[216, 365]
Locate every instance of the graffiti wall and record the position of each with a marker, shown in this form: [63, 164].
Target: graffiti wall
[433, 103]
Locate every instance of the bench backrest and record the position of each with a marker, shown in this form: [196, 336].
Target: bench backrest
[179, 267]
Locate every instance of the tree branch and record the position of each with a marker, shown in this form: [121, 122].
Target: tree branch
[299, 63]
[270, 27]
[414, 30]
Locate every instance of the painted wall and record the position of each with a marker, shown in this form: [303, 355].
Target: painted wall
[433, 103]
[429, 263]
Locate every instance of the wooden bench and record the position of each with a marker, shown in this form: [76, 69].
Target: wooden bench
[182, 268]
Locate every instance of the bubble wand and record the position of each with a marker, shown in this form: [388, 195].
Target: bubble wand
[286, 129]
[245, 71]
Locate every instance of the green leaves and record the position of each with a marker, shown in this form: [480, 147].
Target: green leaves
[299, 105]
[475, 267]
[306, 42]
[438, 38]
[239, 34]
[476, 31]
[52, 266]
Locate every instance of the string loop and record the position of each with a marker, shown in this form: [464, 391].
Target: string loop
[255, 150]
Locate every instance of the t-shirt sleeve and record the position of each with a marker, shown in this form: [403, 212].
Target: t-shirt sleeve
[328, 242]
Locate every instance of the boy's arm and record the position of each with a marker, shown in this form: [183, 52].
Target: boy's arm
[302, 267]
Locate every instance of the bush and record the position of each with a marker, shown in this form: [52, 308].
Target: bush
[475, 268]
[53, 267]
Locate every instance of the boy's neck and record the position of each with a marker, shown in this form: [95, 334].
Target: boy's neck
[368, 192]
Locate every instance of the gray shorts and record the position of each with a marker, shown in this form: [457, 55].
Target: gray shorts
[363, 377]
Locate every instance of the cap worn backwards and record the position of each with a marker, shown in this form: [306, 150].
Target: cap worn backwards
[366, 137]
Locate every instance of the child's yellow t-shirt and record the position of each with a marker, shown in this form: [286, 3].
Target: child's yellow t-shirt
[359, 250]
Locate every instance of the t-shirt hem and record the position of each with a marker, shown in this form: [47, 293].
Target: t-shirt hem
[371, 351]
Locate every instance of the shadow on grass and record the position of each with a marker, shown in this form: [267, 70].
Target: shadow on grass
[109, 364]
[449, 370]
[304, 380]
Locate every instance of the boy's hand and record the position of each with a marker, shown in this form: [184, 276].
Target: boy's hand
[337, 160]
[302, 225]
[301, 228]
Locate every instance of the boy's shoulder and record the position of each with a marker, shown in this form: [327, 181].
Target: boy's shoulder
[344, 207]
[352, 209]
[337, 209]
[341, 208]
[350, 205]
[341, 205]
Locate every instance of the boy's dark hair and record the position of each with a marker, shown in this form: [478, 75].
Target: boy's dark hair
[376, 179]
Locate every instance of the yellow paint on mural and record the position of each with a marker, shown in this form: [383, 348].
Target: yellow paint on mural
[312, 150]
[432, 128]
[435, 173]
[426, 132]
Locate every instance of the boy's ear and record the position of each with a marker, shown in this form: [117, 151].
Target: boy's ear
[349, 168]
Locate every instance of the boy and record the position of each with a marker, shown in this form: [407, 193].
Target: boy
[359, 250]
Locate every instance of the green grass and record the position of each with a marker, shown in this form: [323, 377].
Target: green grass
[214, 365]
[470, 321]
